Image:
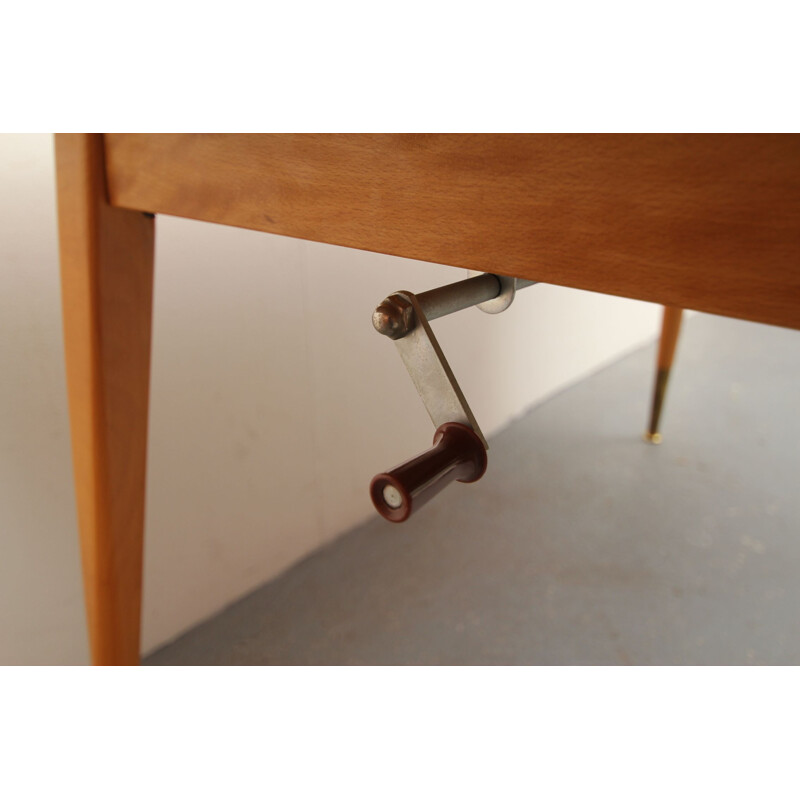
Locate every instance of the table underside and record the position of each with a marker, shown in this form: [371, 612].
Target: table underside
[703, 221]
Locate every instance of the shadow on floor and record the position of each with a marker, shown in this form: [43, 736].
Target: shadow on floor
[583, 544]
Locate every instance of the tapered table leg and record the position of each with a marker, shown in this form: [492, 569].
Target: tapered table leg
[107, 282]
[670, 328]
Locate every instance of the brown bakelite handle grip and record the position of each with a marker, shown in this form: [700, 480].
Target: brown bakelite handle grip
[457, 455]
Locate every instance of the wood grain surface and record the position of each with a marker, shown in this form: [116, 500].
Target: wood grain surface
[107, 281]
[709, 222]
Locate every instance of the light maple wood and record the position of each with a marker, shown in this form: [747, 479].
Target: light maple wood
[710, 222]
[107, 279]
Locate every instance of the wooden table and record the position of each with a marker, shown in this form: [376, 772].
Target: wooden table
[709, 222]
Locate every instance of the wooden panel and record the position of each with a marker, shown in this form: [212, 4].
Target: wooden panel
[107, 281]
[710, 222]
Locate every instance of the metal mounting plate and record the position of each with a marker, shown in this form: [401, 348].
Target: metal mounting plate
[508, 289]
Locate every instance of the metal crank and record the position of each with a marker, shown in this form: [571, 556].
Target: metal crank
[459, 448]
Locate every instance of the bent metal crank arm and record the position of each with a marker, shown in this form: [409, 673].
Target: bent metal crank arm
[459, 447]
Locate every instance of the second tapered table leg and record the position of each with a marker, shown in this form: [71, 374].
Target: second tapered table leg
[107, 283]
[670, 328]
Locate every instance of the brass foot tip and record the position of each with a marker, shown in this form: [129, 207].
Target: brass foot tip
[653, 438]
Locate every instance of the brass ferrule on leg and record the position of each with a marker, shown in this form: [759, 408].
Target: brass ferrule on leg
[662, 378]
